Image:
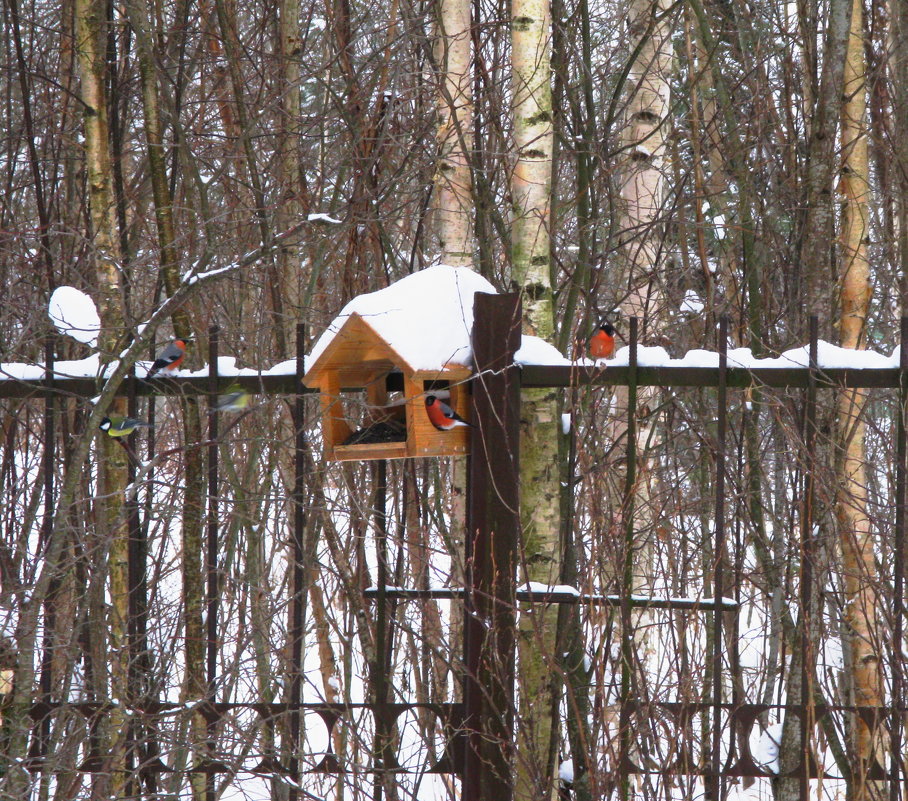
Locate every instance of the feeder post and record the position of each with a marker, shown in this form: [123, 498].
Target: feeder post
[492, 541]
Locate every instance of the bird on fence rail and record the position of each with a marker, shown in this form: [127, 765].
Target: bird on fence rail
[234, 399]
[602, 343]
[442, 416]
[121, 426]
[169, 359]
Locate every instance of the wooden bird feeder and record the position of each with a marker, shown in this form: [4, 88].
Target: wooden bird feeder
[373, 401]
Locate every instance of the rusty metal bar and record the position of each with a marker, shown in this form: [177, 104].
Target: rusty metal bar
[211, 568]
[136, 600]
[41, 732]
[718, 549]
[532, 375]
[492, 541]
[898, 578]
[556, 596]
[177, 385]
[627, 585]
[212, 601]
[738, 744]
[808, 552]
[297, 623]
[537, 375]
[134, 582]
[382, 739]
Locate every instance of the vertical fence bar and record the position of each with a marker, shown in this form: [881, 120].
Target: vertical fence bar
[38, 749]
[211, 569]
[718, 549]
[898, 578]
[382, 649]
[627, 589]
[149, 455]
[298, 606]
[153, 752]
[739, 737]
[212, 601]
[134, 571]
[138, 602]
[807, 558]
[492, 540]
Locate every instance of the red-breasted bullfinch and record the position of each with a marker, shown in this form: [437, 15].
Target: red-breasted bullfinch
[602, 343]
[169, 358]
[442, 416]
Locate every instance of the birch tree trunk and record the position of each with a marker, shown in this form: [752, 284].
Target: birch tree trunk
[539, 433]
[861, 579]
[113, 655]
[642, 193]
[453, 182]
[453, 209]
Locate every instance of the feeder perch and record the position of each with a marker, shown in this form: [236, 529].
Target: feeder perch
[373, 400]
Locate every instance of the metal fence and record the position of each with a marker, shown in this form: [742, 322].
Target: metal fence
[480, 730]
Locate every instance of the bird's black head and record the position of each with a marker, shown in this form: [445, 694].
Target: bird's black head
[430, 399]
[104, 424]
[608, 328]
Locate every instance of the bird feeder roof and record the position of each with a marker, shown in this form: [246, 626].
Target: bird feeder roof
[422, 323]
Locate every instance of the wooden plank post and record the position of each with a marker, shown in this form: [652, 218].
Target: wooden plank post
[492, 541]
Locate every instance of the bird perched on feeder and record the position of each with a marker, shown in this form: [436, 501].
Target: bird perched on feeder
[169, 359]
[602, 343]
[121, 426]
[234, 399]
[442, 416]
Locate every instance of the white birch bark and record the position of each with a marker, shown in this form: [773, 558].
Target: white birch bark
[453, 182]
[531, 183]
[642, 191]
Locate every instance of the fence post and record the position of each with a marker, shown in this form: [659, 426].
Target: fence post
[492, 540]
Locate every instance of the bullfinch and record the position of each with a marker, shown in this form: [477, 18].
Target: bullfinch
[602, 343]
[442, 416]
[169, 359]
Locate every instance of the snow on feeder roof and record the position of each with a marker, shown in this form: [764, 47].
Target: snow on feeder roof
[425, 318]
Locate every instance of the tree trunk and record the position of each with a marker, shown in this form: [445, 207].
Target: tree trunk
[815, 262]
[861, 579]
[290, 175]
[113, 655]
[453, 183]
[540, 512]
[642, 196]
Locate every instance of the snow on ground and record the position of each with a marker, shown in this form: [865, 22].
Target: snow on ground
[73, 313]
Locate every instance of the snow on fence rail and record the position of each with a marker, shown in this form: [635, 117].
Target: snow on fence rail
[18, 382]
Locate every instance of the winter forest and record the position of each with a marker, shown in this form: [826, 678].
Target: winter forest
[202, 598]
